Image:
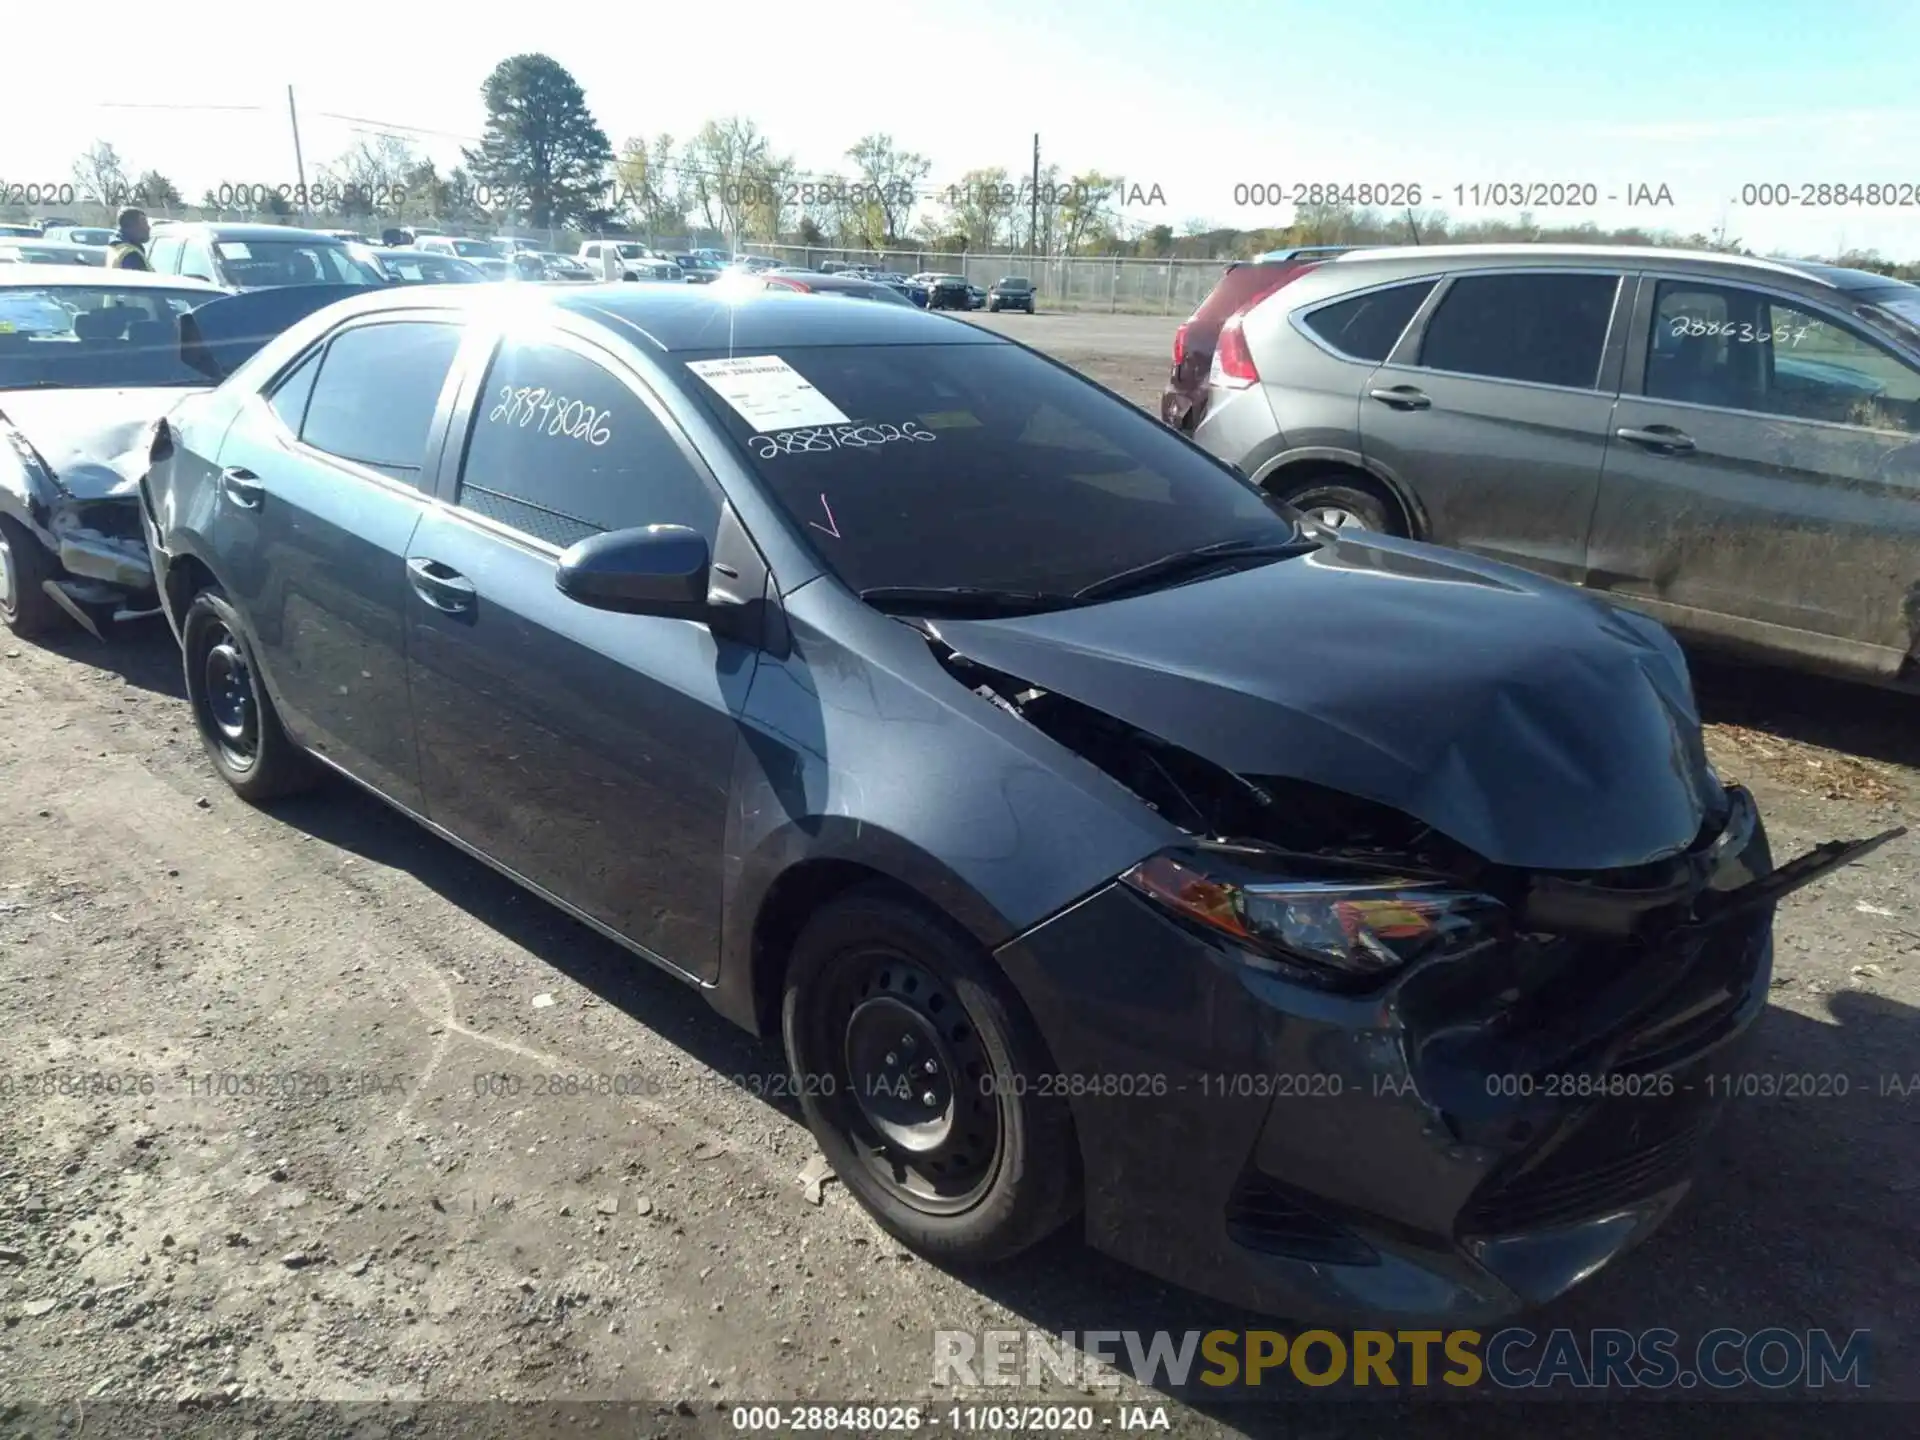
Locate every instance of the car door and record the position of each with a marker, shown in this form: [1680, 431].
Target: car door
[1493, 412]
[589, 752]
[1764, 480]
[321, 488]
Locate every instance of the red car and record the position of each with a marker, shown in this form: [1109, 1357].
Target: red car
[1246, 284]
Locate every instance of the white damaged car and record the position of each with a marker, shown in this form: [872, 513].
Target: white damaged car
[89, 360]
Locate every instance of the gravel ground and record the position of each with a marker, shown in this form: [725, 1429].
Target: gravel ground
[324, 1157]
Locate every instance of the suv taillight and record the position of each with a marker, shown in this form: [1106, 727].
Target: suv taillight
[1179, 347]
[1232, 361]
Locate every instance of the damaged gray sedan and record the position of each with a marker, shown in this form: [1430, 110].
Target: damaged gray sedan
[88, 361]
[1338, 925]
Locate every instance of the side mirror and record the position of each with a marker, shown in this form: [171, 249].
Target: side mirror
[659, 570]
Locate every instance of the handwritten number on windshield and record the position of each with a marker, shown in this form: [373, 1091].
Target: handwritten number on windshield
[552, 414]
[825, 439]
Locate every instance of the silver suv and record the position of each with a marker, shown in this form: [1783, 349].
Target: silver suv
[1730, 445]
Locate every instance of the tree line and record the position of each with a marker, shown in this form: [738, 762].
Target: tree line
[545, 163]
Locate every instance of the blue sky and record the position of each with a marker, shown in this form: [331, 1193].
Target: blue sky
[1700, 95]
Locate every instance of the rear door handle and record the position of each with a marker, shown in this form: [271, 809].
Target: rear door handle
[1402, 397]
[441, 587]
[1657, 437]
[242, 487]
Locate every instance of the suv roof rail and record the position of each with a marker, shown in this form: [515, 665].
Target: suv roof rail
[1272, 256]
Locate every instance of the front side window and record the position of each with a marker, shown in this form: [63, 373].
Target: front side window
[374, 399]
[164, 255]
[1367, 327]
[1543, 329]
[562, 449]
[972, 465]
[1740, 349]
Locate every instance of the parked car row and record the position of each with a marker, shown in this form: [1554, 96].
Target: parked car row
[920, 702]
[1727, 444]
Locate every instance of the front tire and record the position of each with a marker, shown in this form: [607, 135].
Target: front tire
[231, 708]
[920, 1074]
[25, 607]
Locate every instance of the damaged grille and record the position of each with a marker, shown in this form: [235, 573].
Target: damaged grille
[1619, 1155]
[1262, 1214]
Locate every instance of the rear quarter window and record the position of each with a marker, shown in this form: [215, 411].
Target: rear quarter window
[1367, 327]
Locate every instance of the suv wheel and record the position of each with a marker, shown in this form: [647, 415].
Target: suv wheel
[1343, 503]
[923, 1077]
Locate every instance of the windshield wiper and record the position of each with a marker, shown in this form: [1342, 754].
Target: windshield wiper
[970, 599]
[1203, 557]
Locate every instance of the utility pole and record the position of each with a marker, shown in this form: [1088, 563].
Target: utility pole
[1033, 220]
[299, 165]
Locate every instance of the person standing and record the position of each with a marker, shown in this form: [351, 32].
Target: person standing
[127, 252]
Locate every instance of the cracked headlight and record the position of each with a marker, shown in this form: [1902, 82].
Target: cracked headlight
[1329, 930]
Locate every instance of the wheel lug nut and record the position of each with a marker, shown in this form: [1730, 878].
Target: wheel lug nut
[928, 1099]
[906, 1043]
[932, 1069]
[892, 1059]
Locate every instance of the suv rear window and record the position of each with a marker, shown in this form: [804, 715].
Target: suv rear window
[1545, 329]
[1368, 326]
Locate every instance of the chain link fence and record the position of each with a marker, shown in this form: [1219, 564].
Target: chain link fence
[1116, 284]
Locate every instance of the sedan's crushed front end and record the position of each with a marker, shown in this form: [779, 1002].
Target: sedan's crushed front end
[1353, 1093]
[83, 508]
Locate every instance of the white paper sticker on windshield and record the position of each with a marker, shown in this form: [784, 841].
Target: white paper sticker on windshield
[234, 250]
[768, 393]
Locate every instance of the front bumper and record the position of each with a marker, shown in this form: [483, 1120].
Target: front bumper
[1351, 1159]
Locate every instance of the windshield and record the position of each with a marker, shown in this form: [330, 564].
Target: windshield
[424, 267]
[93, 337]
[632, 252]
[1016, 284]
[87, 237]
[253, 264]
[24, 254]
[980, 465]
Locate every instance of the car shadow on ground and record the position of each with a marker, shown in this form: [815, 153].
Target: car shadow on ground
[141, 652]
[1843, 715]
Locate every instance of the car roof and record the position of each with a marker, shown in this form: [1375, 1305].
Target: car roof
[1538, 254]
[674, 318]
[93, 275]
[223, 231]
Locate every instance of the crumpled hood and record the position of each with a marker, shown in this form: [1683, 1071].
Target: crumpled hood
[94, 441]
[1532, 723]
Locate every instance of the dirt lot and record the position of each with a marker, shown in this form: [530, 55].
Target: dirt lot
[312, 1161]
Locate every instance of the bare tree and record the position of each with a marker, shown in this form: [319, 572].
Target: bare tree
[100, 177]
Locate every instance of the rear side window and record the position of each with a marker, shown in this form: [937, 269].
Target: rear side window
[1546, 329]
[1368, 326]
[377, 389]
[561, 449]
[289, 398]
[164, 257]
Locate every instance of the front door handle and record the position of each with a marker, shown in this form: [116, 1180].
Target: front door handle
[441, 587]
[1402, 397]
[242, 487]
[1657, 437]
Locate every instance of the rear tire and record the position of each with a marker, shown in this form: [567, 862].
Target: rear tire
[921, 1074]
[1343, 501]
[235, 716]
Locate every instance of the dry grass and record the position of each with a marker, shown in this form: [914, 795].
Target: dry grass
[1742, 754]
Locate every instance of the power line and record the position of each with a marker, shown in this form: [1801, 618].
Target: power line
[131, 105]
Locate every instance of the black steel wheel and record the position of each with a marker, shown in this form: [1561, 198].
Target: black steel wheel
[923, 1078]
[231, 707]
